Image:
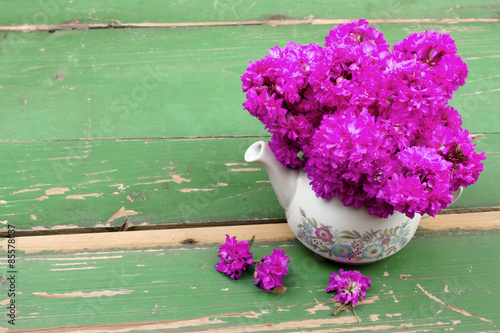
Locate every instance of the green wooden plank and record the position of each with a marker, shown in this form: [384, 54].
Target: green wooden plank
[436, 283]
[164, 181]
[59, 184]
[143, 83]
[40, 12]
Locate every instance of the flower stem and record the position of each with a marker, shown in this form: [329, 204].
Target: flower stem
[355, 314]
[340, 308]
[343, 307]
[250, 242]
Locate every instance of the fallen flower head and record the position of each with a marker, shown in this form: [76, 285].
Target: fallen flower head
[271, 269]
[235, 257]
[350, 286]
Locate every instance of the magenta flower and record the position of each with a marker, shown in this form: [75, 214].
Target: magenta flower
[350, 286]
[271, 269]
[235, 257]
[359, 34]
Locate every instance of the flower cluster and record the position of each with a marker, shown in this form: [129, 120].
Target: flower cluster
[350, 286]
[271, 269]
[236, 257]
[370, 126]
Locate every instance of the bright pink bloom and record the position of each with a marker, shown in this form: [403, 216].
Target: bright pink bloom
[359, 34]
[349, 286]
[235, 257]
[271, 270]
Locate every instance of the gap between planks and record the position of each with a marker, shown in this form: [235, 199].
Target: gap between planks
[116, 24]
[167, 138]
[127, 226]
[172, 138]
[188, 237]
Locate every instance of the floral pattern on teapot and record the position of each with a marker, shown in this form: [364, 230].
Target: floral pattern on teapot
[351, 245]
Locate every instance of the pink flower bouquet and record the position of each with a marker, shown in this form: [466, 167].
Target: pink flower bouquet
[367, 125]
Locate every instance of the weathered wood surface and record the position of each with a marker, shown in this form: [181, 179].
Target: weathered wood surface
[104, 128]
[164, 83]
[88, 115]
[61, 12]
[69, 184]
[451, 223]
[441, 281]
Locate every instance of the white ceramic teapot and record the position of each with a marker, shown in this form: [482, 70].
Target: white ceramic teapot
[343, 234]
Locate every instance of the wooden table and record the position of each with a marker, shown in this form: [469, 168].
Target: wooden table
[122, 141]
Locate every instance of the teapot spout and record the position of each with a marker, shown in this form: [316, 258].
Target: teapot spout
[283, 180]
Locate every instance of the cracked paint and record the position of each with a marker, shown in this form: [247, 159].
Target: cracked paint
[449, 306]
[318, 307]
[176, 178]
[244, 169]
[26, 190]
[122, 212]
[185, 190]
[85, 295]
[100, 172]
[73, 268]
[56, 190]
[232, 164]
[82, 196]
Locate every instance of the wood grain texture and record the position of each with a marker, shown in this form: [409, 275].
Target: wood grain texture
[456, 222]
[62, 185]
[308, 21]
[107, 114]
[276, 232]
[40, 12]
[438, 282]
[122, 115]
[157, 83]
[84, 184]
